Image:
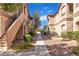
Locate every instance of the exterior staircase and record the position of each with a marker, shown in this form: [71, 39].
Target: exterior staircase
[10, 27]
[13, 29]
[3, 44]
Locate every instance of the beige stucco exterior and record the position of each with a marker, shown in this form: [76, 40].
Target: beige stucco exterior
[51, 23]
[76, 17]
[62, 21]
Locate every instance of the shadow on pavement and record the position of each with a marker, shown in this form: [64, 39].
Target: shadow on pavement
[60, 50]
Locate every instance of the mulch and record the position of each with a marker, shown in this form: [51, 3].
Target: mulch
[59, 50]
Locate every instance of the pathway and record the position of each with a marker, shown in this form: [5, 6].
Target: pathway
[45, 48]
[58, 47]
[39, 50]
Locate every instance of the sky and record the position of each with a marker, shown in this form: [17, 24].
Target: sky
[44, 9]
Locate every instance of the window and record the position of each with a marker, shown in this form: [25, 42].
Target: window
[63, 14]
[77, 5]
[48, 28]
[62, 7]
[71, 7]
[63, 27]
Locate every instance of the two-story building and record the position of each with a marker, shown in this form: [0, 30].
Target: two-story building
[61, 20]
[76, 17]
[51, 23]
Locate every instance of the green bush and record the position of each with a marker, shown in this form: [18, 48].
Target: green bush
[75, 50]
[67, 34]
[27, 38]
[64, 35]
[76, 35]
[32, 33]
[20, 46]
[70, 35]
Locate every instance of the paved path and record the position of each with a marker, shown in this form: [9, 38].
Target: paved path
[39, 50]
[58, 47]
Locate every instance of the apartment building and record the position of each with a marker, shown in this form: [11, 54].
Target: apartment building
[61, 21]
[51, 23]
[12, 26]
[76, 17]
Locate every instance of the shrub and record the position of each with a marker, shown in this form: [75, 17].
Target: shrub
[70, 35]
[75, 50]
[64, 35]
[67, 34]
[22, 46]
[76, 35]
[27, 38]
[32, 33]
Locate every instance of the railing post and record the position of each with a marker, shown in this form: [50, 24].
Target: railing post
[23, 8]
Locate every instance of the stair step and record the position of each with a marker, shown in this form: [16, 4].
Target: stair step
[2, 45]
[2, 39]
[2, 42]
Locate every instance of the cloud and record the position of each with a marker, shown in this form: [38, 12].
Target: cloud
[43, 17]
[43, 20]
[41, 27]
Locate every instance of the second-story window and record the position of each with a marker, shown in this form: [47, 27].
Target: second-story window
[63, 14]
[76, 5]
[62, 7]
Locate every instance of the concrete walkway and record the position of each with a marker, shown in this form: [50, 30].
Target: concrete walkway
[39, 50]
[47, 47]
[58, 47]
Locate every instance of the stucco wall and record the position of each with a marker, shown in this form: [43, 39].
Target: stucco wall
[61, 18]
[51, 28]
[59, 29]
[76, 18]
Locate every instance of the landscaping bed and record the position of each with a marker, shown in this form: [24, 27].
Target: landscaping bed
[57, 47]
[22, 47]
[24, 44]
[75, 50]
[72, 35]
[60, 50]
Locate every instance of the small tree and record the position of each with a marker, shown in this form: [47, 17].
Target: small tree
[36, 20]
[10, 7]
[45, 28]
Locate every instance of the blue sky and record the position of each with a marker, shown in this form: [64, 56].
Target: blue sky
[44, 9]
